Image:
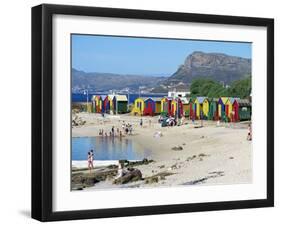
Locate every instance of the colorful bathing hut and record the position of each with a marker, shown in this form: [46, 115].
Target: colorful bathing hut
[152, 106]
[97, 104]
[120, 103]
[139, 106]
[176, 108]
[232, 109]
[107, 105]
[111, 105]
[166, 105]
[201, 107]
[185, 106]
[222, 108]
[213, 109]
[245, 109]
[192, 108]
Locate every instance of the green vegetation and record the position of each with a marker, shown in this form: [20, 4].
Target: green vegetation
[210, 88]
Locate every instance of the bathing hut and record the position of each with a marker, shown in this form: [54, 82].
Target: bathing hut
[213, 109]
[97, 104]
[176, 108]
[166, 106]
[103, 103]
[111, 104]
[139, 106]
[152, 106]
[106, 104]
[157, 101]
[232, 109]
[185, 106]
[245, 109]
[120, 103]
[201, 107]
[173, 107]
[192, 110]
[222, 108]
[93, 104]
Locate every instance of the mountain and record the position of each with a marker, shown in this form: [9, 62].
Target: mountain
[216, 66]
[103, 82]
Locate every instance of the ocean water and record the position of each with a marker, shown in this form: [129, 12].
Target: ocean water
[108, 148]
[79, 97]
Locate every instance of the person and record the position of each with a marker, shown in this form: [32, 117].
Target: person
[120, 171]
[249, 136]
[112, 130]
[90, 161]
[141, 122]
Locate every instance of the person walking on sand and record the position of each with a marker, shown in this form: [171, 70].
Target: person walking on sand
[141, 122]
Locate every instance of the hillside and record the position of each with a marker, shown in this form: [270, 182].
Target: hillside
[216, 66]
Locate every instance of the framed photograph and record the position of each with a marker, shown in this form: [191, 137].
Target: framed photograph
[145, 112]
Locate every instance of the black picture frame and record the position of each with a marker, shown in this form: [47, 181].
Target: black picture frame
[42, 111]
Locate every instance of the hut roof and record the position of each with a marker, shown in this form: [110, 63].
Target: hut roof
[111, 96]
[232, 99]
[155, 99]
[224, 99]
[121, 98]
[93, 97]
[244, 102]
[103, 97]
[201, 99]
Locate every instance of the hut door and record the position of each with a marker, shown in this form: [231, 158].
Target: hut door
[226, 109]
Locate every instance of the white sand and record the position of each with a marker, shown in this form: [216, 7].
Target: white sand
[210, 155]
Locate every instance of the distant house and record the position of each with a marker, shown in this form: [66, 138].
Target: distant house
[175, 94]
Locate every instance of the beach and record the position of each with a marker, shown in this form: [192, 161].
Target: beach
[190, 154]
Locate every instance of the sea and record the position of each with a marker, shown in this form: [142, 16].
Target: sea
[108, 148]
[80, 97]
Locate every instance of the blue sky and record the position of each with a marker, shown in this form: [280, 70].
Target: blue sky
[143, 56]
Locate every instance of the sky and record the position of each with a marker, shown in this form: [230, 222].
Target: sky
[143, 56]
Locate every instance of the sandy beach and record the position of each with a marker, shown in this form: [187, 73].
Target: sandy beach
[185, 155]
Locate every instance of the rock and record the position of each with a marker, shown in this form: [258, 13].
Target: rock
[130, 176]
[177, 148]
[90, 179]
[151, 180]
[231, 157]
[162, 166]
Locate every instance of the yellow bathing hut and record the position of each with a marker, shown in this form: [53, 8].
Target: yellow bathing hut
[185, 106]
[201, 107]
[138, 106]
